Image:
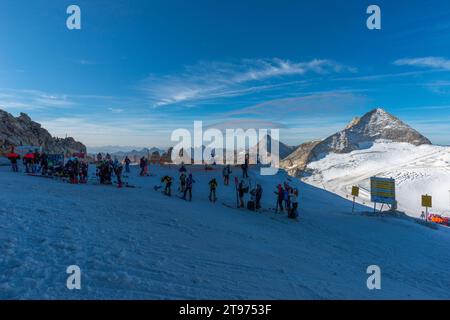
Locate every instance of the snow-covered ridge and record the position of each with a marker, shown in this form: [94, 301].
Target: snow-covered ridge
[360, 133]
[418, 170]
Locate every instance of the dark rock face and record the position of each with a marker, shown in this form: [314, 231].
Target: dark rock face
[21, 130]
[360, 133]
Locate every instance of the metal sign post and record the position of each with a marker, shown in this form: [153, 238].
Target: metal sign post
[427, 202]
[355, 193]
[382, 190]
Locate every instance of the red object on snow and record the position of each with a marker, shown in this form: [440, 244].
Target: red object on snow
[439, 219]
[13, 155]
[29, 156]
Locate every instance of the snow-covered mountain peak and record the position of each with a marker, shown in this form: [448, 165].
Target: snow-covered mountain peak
[360, 133]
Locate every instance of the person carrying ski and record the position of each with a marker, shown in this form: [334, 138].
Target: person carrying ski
[280, 196]
[189, 182]
[13, 157]
[212, 190]
[127, 164]
[242, 189]
[182, 182]
[168, 184]
[294, 204]
[226, 174]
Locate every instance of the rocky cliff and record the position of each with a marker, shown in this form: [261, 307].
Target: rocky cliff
[21, 130]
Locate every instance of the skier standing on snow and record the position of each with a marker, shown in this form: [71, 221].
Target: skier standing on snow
[37, 161]
[84, 168]
[44, 164]
[245, 166]
[13, 157]
[189, 182]
[142, 166]
[243, 189]
[28, 161]
[127, 164]
[280, 196]
[294, 203]
[212, 190]
[118, 168]
[286, 198]
[226, 174]
[168, 185]
[257, 193]
[182, 182]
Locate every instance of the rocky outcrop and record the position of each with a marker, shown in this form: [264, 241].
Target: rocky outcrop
[22, 131]
[299, 159]
[360, 133]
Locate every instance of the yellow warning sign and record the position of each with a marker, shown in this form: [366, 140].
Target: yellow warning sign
[427, 201]
[355, 191]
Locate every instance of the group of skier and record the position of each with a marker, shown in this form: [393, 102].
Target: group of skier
[33, 161]
[289, 197]
[77, 172]
[286, 196]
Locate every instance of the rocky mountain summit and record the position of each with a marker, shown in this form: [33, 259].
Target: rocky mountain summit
[22, 131]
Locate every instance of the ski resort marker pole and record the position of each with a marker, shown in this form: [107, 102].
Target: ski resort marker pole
[427, 203]
[236, 183]
[355, 193]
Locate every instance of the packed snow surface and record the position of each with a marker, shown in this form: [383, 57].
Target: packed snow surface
[417, 170]
[135, 243]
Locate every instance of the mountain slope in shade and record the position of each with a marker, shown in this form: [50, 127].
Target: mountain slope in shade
[360, 133]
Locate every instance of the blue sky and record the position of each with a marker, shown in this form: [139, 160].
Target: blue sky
[139, 69]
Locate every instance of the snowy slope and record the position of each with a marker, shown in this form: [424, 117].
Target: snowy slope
[137, 243]
[417, 170]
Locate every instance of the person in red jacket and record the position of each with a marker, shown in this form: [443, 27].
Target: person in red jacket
[14, 157]
[28, 161]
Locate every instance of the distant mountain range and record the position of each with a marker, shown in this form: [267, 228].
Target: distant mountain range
[133, 153]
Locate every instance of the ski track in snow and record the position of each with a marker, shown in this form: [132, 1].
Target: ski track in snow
[135, 243]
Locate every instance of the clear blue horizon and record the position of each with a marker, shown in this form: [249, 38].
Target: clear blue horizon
[139, 69]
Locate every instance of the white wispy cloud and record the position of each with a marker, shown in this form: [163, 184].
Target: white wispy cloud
[210, 80]
[25, 100]
[307, 103]
[429, 62]
[116, 110]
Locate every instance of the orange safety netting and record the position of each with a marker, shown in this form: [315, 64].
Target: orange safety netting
[438, 219]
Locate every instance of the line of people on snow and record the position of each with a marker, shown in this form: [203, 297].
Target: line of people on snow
[286, 196]
[36, 162]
